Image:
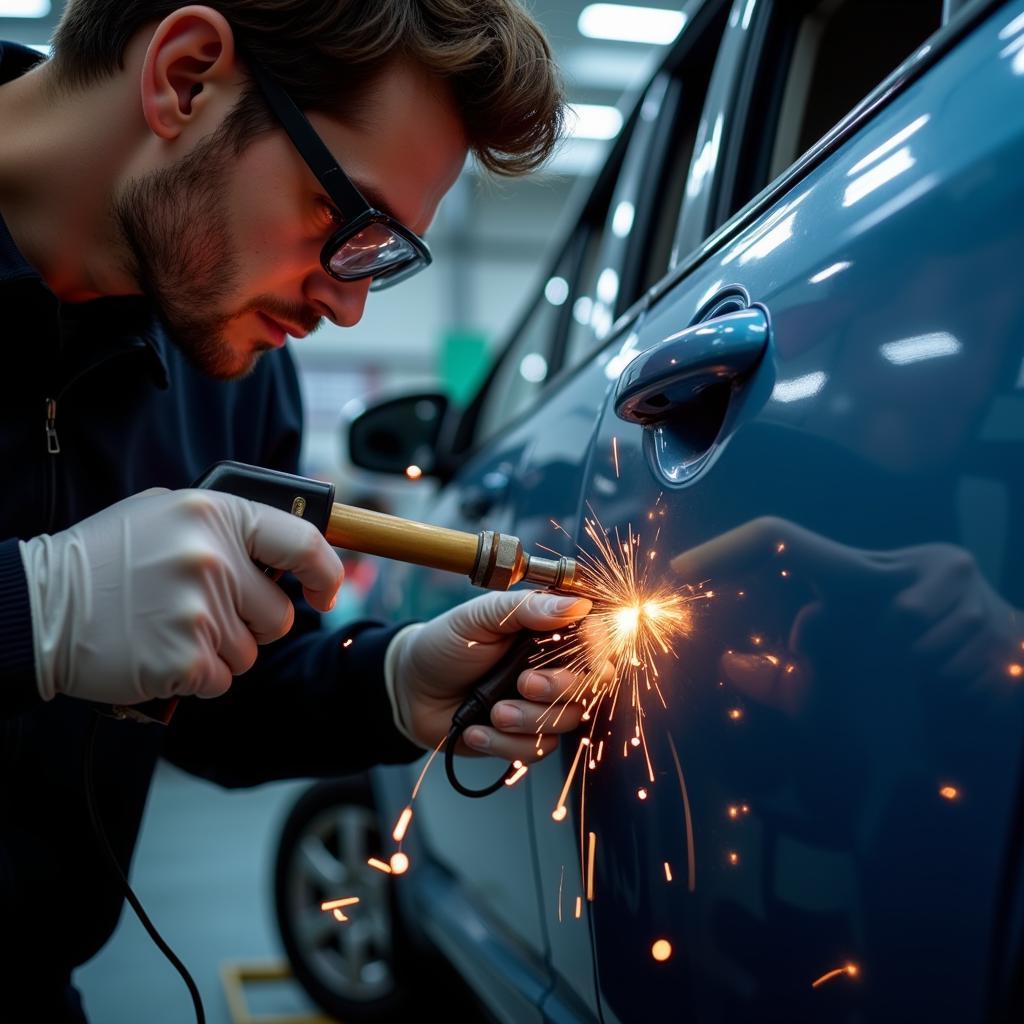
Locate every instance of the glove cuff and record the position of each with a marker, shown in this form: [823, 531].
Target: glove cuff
[18, 688]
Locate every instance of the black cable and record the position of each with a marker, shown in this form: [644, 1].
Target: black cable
[499, 685]
[454, 736]
[129, 894]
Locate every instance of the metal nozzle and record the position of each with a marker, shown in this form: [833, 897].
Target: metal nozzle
[500, 564]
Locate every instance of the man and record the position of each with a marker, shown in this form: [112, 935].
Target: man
[161, 233]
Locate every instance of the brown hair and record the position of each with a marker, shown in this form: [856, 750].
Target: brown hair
[327, 54]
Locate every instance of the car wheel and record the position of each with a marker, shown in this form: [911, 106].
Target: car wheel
[356, 970]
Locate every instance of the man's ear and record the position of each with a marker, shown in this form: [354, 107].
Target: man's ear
[190, 56]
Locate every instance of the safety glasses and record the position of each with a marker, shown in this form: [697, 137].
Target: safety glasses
[369, 242]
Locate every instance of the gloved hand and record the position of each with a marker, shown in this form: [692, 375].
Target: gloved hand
[431, 668]
[159, 595]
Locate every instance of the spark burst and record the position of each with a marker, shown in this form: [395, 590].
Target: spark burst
[613, 660]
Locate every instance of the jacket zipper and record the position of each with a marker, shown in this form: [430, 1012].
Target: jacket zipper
[53, 441]
[53, 448]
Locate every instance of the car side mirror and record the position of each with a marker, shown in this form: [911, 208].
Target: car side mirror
[399, 435]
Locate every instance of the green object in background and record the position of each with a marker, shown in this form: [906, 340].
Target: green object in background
[463, 361]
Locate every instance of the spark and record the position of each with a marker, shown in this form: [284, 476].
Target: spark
[380, 865]
[347, 643]
[1016, 670]
[561, 887]
[413, 472]
[520, 771]
[785, 572]
[423, 774]
[641, 794]
[348, 901]
[851, 970]
[560, 812]
[471, 643]
[615, 455]
[779, 548]
[668, 872]
[735, 714]
[402, 825]
[734, 812]
[579, 907]
[733, 858]
[590, 867]
[519, 605]
[340, 917]
[661, 950]
[950, 793]
[399, 863]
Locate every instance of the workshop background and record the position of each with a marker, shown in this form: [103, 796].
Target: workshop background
[203, 864]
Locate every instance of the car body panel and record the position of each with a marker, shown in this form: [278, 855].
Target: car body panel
[879, 443]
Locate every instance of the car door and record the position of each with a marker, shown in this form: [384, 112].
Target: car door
[520, 445]
[815, 433]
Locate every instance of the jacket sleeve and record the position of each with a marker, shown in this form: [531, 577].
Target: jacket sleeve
[314, 704]
[18, 691]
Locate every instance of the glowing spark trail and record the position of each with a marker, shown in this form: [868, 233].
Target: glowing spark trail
[590, 867]
[403, 824]
[850, 970]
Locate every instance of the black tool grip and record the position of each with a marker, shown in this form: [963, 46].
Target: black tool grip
[500, 684]
[298, 495]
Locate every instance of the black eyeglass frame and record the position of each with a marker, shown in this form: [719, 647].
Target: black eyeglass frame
[358, 214]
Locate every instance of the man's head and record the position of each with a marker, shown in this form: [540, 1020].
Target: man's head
[219, 217]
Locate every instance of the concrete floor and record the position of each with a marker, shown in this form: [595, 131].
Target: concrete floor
[203, 873]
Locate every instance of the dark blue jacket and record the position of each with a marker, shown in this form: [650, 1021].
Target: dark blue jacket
[132, 413]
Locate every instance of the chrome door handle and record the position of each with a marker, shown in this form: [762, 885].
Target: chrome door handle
[658, 383]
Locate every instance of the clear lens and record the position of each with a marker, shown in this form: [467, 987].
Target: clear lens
[374, 250]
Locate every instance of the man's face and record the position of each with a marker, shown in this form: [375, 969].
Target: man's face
[229, 247]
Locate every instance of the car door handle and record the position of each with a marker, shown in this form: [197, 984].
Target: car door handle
[658, 382]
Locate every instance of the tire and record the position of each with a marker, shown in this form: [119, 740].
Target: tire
[360, 970]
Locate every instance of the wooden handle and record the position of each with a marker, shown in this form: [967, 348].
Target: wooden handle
[375, 533]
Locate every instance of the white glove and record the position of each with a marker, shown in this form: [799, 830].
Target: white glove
[159, 595]
[430, 668]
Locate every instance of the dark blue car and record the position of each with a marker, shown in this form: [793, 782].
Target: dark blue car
[782, 340]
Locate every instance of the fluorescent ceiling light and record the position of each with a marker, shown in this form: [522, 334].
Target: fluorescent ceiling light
[593, 121]
[24, 8]
[630, 24]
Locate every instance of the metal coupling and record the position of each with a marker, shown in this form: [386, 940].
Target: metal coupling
[501, 564]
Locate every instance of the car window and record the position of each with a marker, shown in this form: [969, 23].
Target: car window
[631, 250]
[528, 361]
[817, 61]
[691, 76]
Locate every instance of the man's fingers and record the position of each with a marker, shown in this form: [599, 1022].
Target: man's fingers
[264, 607]
[548, 685]
[490, 617]
[481, 739]
[521, 716]
[285, 542]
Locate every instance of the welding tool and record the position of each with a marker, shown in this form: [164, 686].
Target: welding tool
[495, 561]
[490, 559]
